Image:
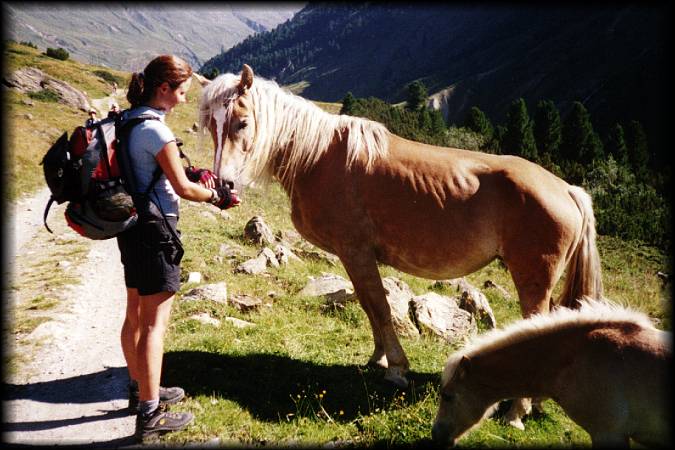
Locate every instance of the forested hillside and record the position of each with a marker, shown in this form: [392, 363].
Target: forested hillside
[610, 58]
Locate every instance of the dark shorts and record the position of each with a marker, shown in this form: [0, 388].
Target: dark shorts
[149, 258]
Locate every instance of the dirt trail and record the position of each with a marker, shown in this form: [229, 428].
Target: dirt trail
[73, 388]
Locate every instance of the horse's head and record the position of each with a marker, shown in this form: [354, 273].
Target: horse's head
[461, 404]
[226, 111]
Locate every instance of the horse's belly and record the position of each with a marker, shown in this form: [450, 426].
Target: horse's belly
[434, 262]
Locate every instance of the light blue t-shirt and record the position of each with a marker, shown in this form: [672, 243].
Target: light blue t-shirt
[145, 141]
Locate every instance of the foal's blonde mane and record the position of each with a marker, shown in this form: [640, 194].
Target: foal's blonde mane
[285, 121]
[591, 312]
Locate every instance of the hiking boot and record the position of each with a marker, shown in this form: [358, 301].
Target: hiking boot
[160, 421]
[167, 396]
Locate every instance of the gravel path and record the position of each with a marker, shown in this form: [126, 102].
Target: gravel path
[72, 390]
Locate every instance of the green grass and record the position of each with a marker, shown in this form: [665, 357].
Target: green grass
[297, 377]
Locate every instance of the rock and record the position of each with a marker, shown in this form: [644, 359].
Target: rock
[230, 251]
[440, 315]
[284, 254]
[28, 116]
[195, 126]
[458, 284]
[257, 231]
[216, 292]
[338, 299]
[317, 255]
[245, 303]
[194, 277]
[327, 283]
[64, 264]
[290, 237]
[30, 79]
[475, 302]
[27, 102]
[489, 284]
[258, 264]
[208, 215]
[205, 318]
[399, 296]
[238, 323]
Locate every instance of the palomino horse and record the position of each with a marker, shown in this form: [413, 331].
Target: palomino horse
[606, 366]
[371, 197]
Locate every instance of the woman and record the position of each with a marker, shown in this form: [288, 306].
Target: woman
[150, 251]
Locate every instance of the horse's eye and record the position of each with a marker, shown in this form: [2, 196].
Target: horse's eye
[447, 397]
[243, 125]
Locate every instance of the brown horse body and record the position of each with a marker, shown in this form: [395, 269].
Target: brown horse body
[429, 211]
[606, 367]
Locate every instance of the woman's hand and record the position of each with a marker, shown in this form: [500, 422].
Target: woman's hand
[204, 177]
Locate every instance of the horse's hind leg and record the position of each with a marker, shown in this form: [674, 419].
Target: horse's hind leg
[362, 270]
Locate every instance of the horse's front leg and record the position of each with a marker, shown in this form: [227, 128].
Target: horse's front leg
[362, 270]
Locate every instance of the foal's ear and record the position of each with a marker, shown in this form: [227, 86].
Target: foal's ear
[203, 81]
[463, 366]
[246, 78]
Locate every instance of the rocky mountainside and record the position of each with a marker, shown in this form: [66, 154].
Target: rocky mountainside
[610, 57]
[125, 36]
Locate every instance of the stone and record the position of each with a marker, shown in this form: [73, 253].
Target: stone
[216, 292]
[475, 302]
[252, 266]
[399, 296]
[31, 79]
[245, 303]
[28, 116]
[206, 319]
[195, 126]
[238, 323]
[194, 277]
[230, 251]
[338, 299]
[325, 284]
[257, 231]
[317, 255]
[440, 315]
[285, 255]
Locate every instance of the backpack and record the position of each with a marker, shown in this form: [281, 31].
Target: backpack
[85, 172]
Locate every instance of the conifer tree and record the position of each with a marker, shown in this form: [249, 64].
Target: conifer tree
[547, 129]
[417, 95]
[579, 142]
[519, 139]
[638, 149]
[477, 121]
[616, 145]
[348, 103]
[438, 126]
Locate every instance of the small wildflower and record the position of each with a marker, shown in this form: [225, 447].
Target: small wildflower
[342, 412]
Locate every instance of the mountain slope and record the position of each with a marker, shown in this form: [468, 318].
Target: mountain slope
[611, 58]
[126, 36]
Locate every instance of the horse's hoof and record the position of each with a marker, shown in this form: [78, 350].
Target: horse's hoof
[395, 375]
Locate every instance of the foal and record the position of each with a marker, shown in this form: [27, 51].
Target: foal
[606, 366]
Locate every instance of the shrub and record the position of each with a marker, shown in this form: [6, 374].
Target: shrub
[45, 95]
[28, 44]
[109, 77]
[58, 53]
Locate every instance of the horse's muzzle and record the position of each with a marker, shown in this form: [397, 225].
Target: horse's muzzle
[441, 435]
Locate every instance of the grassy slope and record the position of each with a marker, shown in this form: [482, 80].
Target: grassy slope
[297, 376]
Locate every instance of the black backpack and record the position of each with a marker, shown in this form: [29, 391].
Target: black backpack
[92, 172]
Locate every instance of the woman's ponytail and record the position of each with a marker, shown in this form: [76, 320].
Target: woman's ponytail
[136, 94]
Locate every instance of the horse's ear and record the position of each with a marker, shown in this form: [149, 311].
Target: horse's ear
[246, 78]
[202, 80]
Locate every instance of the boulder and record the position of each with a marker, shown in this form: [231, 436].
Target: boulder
[327, 283]
[285, 255]
[30, 79]
[206, 319]
[317, 255]
[245, 303]
[238, 323]
[489, 284]
[216, 292]
[399, 296]
[258, 264]
[441, 316]
[475, 302]
[257, 231]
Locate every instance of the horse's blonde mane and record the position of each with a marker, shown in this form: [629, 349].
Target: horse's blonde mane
[294, 124]
[590, 312]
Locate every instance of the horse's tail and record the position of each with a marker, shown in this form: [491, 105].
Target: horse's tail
[584, 277]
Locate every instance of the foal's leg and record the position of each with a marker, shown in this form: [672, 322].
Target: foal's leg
[362, 270]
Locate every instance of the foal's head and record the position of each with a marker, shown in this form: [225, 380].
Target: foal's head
[226, 111]
[461, 403]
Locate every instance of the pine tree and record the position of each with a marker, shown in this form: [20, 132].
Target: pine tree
[579, 142]
[638, 149]
[438, 126]
[547, 128]
[616, 145]
[519, 139]
[477, 121]
[417, 95]
[348, 103]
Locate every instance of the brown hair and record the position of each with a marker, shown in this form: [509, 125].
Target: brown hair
[164, 68]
